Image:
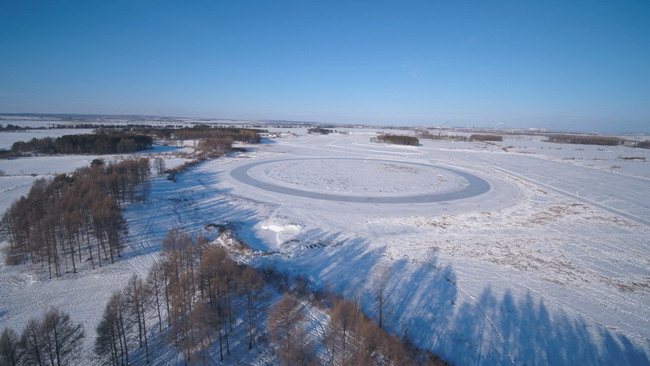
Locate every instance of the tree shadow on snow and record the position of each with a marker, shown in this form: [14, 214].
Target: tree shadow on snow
[194, 203]
[423, 301]
[425, 305]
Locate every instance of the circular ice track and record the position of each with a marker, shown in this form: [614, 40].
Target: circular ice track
[475, 186]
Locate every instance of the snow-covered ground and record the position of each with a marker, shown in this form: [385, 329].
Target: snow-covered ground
[7, 138]
[550, 266]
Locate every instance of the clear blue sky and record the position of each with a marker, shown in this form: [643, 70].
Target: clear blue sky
[580, 65]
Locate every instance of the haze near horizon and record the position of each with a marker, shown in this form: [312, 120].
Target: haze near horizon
[557, 65]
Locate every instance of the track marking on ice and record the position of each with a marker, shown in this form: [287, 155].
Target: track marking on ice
[476, 186]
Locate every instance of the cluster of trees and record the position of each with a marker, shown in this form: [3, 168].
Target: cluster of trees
[201, 132]
[99, 143]
[196, 291]
[398, 139]
[586, 140]
[74, 213]
[53, 340]
[199, 300]
[440, 136]
[320, 131]
[479, 137]
[10, 127]
[215, 146]
[349, 338]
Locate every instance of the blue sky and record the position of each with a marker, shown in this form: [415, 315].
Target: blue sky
[575, 65]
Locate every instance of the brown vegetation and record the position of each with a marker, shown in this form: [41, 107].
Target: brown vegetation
[53, 340]
[74, 213]
[398, 139]
[441, 136]
[100, 143]
[201, 132]
[478, 137]
[320, 131]
[210, 301]
[586, 140]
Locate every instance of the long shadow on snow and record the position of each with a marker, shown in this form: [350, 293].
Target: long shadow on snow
[191, 204]
[425, 305]
[423, 301]
[343, 265]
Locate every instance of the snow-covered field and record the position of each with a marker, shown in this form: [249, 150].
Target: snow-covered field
[551, 265]
[7, 138]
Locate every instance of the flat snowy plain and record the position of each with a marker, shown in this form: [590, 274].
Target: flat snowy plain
[551, 265]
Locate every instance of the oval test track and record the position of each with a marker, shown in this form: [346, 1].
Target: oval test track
[475, 187]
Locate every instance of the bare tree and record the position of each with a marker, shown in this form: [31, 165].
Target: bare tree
[159, 165]
[381, 292]
[136, 295]
[31, 343]
[251, 287]
[339, 333]
[62, 338]
[106, 343]
[155, 282]
[9, 348]
[284, 322]
[201, 330]
[112, 332]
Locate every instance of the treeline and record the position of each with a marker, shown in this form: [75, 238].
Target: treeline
[201, 132]
[197, 293]
[586, 140]
[99, 143]
[320, 131]
[200, 301]
[440, 136]
[349, 338]
[478, 137]
[53, 340]
[398, 139]
[10, 127]
[74, 213]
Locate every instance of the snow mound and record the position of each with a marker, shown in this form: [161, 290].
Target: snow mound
[274, 233]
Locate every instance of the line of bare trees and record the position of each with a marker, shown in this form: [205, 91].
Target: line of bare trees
[53, 340]
[195, 291]
[397, 139]
[586, 140]
[199, 300]
[201, 132]
[101, 142]
[72, 214]
[348, 337]
[479, 137]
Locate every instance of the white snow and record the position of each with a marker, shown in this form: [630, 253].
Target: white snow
[551, 266]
